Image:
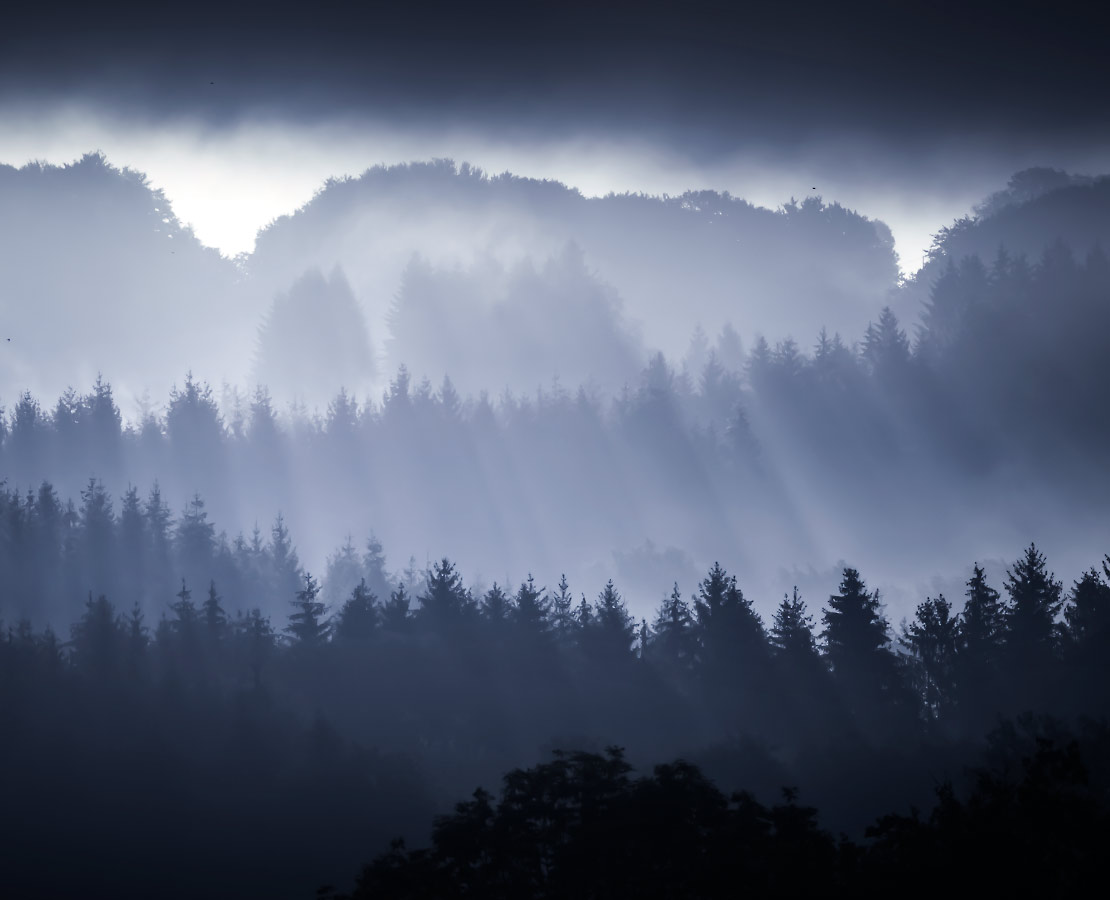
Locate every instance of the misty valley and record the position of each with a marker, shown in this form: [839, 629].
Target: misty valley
[473, 537]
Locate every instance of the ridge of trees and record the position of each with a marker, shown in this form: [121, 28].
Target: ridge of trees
[582, 824]
[214, 705]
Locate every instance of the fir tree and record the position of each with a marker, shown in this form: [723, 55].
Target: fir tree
[857, 648]
[308, 626]
[613, 625]
[1088, 612]
[285, 567]
[982, 620]
[373, 566]
[395, 611]
[1035, 600]
[496, 608]
[344, 571]
[931, 638]
[215, 619]
[792, 630]
[185, 618]
[358, 618]
[562, 610]
[445, 601]
[531, 608]
[673, 641]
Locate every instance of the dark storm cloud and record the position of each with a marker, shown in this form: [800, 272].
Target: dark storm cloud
[701, 77]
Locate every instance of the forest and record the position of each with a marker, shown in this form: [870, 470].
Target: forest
[179, 635]
[979, 429]
[554, 451]
[313, 737]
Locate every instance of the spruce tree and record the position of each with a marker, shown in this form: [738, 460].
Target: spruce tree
[613, 626]
[673, 640]
[1030, 616]
[978, 652]
[982, 620]
[445, 602]
[215, 619]
[344, 571]
[285, 568]
[308, 625]
[562, 610]
[857, 649]
[185, 618]
[530, 609]
[931, 638]
[1088, 612]
[496, 607]
[730, 633]
[792, 630]
[395, 611]
[358, 618]
[373, 567]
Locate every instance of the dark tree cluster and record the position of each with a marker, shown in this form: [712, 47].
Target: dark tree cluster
[1034, 822]
[997, 391]
[211, 709]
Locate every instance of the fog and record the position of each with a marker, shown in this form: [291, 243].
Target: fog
[663, 414]
[575, 368]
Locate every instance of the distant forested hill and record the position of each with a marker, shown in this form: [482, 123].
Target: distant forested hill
[702, 256]
[98, 275]
[1038, 208]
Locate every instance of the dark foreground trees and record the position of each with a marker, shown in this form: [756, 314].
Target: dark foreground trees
[1032, 823]
[195, 728]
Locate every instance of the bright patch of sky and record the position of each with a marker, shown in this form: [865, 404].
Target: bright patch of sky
[228, 183]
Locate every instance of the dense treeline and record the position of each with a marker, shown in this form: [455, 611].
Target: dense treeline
[988, 410]
[216, 710]
[152, 662]
[1033, 823]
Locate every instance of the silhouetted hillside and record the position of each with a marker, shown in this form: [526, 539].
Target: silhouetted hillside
[98, 275]
[1038, 208]
[702, 256]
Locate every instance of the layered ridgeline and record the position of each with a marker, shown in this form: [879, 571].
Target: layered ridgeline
[499, 281]
[701, 257]
[897, 445]
[98, 275]
[1038, 208]
[450, 268]
[307, 732]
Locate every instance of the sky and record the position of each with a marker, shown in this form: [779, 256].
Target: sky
[908, 112]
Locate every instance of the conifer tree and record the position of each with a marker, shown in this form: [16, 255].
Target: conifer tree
[562, 609]
[584, 623]
[344, 571]
[931, 638]
[358, 618]
[613, 625]
[978, 652]
[445, 601]
[373, 567]
[729, 632]
[982, 620]
[185, 618]
[857, 649]
[530, 609]
[1088, 612]
[308, 625]
[1030, 616]
[215, 619]
[673, 640]
[395, 611]
[97, 638]
[285, 567]
[496, 607]
[792, 630]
